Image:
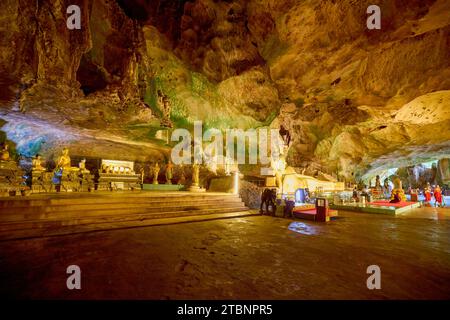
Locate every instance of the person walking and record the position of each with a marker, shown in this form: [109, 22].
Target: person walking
[438, 196]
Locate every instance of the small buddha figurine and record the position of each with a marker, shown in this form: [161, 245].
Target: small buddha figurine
[182, 179]
[82, 166]
[156, 169]
[4, 155]
[378, 183]
[64, 160]
[36, 163]
[169, 172]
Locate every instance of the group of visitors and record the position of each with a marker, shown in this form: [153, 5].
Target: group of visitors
[433, 194]
[435, 191]
[429, 192]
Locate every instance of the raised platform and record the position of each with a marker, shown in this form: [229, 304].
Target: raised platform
[380, 207]
[64, 213]
[162, 187]
[310, 214]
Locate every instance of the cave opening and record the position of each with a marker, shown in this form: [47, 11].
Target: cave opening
[417, 175]
[135, 9]
[90, 76]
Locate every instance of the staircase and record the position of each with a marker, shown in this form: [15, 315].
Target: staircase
[58, 214]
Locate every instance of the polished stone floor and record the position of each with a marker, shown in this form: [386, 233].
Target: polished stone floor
[256, 257]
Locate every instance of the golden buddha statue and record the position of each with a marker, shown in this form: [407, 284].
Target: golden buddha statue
[4, 155]
[82, 166]
[64, 160]
[36, 163]
[397, 195]
[156, 169]
[169, 172]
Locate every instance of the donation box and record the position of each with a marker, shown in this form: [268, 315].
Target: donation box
[322, 213]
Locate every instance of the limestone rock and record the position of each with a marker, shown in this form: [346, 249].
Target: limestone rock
[356, 101]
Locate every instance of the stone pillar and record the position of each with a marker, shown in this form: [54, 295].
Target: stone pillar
[444, 170]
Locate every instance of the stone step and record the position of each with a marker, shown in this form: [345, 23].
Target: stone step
[43, 232]
[54, 214]
[31, 201]
[24, 214]
[5, 213]
[70, 221]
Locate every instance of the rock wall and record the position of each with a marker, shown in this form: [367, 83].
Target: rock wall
[356, 101]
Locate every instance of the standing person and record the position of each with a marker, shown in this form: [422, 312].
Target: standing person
[438, 196]
[387, 189]
[355, 194]
[268, 198]
[427, 192]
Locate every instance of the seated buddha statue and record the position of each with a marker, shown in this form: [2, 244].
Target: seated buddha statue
[4, 154]
[398, 194]
[36, 163]
[64, 160]
[82, 166]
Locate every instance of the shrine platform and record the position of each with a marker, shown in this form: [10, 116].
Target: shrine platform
[379, 207]
[310, 214]
[162, 187]
[41, 215]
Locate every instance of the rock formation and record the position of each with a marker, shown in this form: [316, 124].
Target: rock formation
[356, 101]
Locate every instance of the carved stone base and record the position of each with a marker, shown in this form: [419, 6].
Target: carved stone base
[196, 189]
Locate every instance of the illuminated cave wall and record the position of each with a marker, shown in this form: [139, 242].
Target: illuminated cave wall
[343, 91]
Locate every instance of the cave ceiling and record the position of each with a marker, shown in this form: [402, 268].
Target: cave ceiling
[356, 101]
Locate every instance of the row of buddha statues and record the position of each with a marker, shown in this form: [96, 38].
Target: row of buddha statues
[169, 168]
[63, 162]
[116, 169]
[63, 178]
[69, 178]
[394, 193]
